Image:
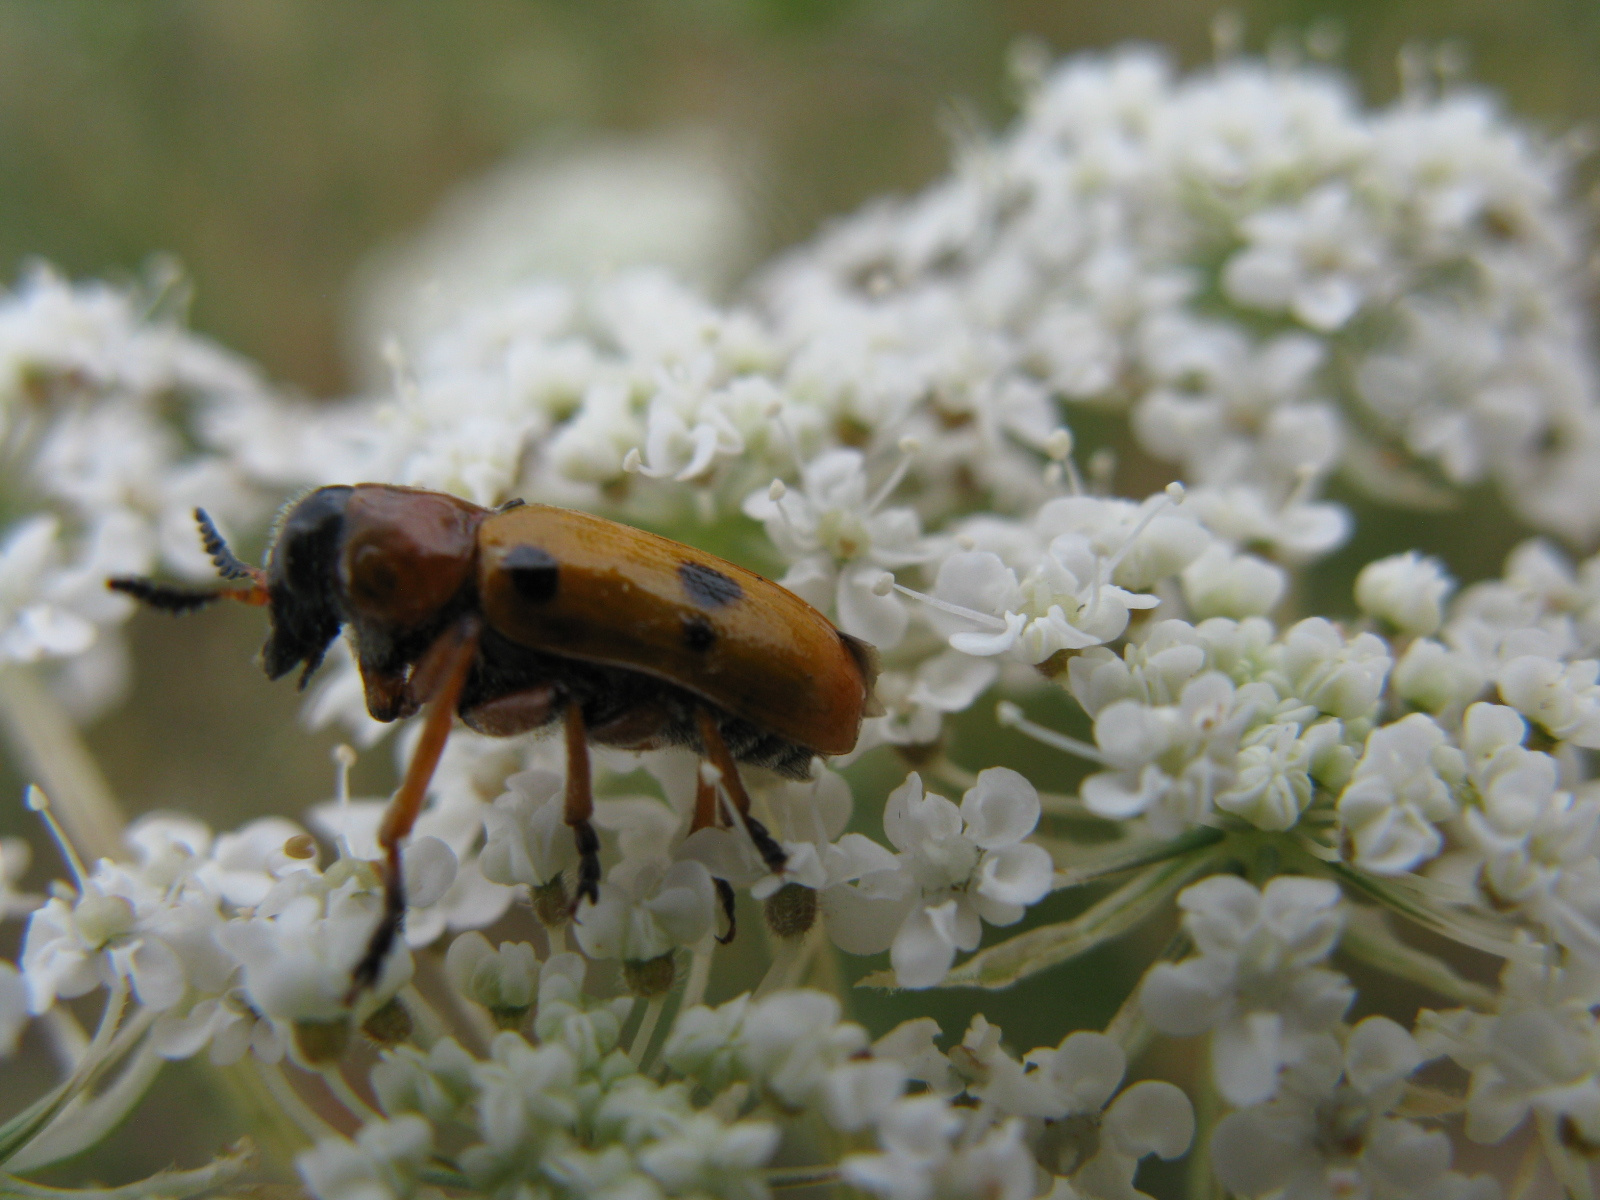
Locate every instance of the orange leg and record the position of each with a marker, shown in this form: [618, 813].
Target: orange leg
[705, 802]
[443, 673]
[580, 807]
[705, 817]
[717, 753]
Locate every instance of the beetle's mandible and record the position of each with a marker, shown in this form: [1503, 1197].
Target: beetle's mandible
[517, 617]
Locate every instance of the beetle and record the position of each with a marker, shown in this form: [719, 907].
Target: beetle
[517, 617]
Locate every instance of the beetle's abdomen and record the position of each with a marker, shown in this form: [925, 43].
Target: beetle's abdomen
[577, 585]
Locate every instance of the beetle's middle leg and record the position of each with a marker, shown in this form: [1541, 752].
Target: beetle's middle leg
[580, 806]
[718, 755]
[442, 673]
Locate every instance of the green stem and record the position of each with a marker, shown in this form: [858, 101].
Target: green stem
[78, 1128]
[646, 1032]
[1368, 938]
[694, 989]
[292, 1103]
[346, 1095]
[1406, 897]
[1120, 858]
[167, 1185]
[50, 750]
[791, 1177]
[1050, 945]
[26, 1125]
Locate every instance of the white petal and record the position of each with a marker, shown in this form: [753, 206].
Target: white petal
[157, 972]
[993, 643]
[880, 620]
[951, 681]
[860, 923]
[429, 867]
[1086, 1070]
[1000, 808]
[1016, 874]
[1259, 1149]
[1186, 998]
[1380, 1052]
[921, 957]
[1246, 1053]
[1151, 1117]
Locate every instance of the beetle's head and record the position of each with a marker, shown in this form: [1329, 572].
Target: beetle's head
[302, 583]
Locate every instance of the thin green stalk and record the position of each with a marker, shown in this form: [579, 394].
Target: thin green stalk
[694, 989]
[50, 750]
[292, 1103]
[165, 1185]
[26, 1125]
[646, 1032]
[1368, 938]
[1050, 945]
[793, 1177]
[1409, 898]
[347, 1095]
[1201, 1181]
[1121, 857]
[78, 1128]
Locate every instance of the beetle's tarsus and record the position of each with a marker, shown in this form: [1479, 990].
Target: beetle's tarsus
[589, 871]
[767, 846]
[370, 967]
[725, 895]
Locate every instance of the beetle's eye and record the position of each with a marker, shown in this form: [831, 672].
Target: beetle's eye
[373, 579]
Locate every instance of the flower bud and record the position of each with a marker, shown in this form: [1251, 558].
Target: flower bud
[791, 910]
[322, 1042]
[389, 1025]
[102, 918]
[650, 978]
[1406, 590]
[505, 981]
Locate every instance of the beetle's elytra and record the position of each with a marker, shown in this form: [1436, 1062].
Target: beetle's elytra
[516, 617]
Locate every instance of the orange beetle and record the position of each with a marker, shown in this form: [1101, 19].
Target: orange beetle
[515, 617]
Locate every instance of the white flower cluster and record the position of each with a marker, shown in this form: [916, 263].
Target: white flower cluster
[1269, 285]
[1270, 281]
[115, 423]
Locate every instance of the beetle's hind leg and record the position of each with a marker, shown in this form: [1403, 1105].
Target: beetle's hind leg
[580, 807]
[719, 756]
[441, 675]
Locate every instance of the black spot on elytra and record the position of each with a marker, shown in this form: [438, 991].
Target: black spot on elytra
[707, 586]
[534, 573]
[698, 634]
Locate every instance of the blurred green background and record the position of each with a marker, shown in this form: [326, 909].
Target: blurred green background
[271, 147]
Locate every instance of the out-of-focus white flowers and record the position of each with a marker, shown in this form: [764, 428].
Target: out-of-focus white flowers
[90, 380]
[1407, 591]
[1332, 1128]
[1256, 984]
[14, 1012]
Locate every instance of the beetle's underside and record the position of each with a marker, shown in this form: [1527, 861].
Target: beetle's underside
[623, 708]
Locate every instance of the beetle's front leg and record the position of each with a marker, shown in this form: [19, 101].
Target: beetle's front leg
[450, 661]
[718, 755]
[580, 807]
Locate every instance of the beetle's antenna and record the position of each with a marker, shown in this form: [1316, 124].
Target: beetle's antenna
[162, 596]
[228, 564]
[179, 600]
[183, 600]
